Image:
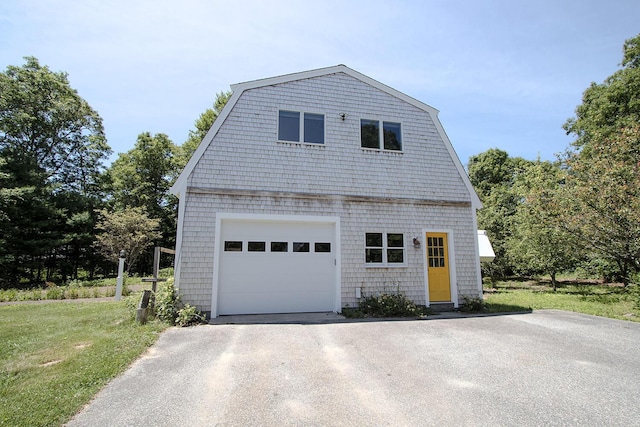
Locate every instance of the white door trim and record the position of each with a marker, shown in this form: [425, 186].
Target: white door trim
[221, 217]
[452, 264]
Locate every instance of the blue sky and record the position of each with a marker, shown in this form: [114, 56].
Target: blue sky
[503, 73]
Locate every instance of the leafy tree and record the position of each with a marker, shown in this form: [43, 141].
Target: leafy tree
[202, 126]
[141, 178]
[493, 174]
[52, 144]
[538, 243]
[610, 106]
[43, 121]
[130, 230]
[601, 204]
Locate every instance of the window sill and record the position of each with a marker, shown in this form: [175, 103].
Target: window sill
[307, 144]
[369, 265]
[379, 150]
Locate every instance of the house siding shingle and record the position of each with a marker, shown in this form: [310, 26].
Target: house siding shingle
[356, 218]
[246, 155]
[400, 191]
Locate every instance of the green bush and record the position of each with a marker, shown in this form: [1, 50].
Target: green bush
[169, 308]
[72, 292]
[473, 305]
[8, 295]
[54, 292]
[386, 305]
[189, 316]
[166, 302]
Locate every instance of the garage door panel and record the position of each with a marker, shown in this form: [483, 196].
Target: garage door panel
[263, 281]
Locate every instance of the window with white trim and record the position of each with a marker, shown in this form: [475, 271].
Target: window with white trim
[372, 132]
[295, 126]
[384, 249]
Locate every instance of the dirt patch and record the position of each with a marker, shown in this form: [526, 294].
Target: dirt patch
[82, 345]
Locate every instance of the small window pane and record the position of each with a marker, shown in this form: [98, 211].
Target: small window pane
[323, 247]
[374, 239]
[314, 128]
[370, 133]
[289, 126]
[392, 136]
[256, 247]
[300, 246]
[395, 255]
[232, 246]
[395, 240]
[374, 255]
[279, 246]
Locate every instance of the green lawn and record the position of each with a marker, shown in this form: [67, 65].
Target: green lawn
[589, 298]
[54, 357]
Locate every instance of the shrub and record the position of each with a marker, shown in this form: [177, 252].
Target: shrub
[166, 302]
[387, 305]
[54, 292]
[189, 316]
[472, 305]
[169, 308]
[72, 292]
[8, 295]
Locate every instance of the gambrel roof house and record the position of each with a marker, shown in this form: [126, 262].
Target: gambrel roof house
[314, 189]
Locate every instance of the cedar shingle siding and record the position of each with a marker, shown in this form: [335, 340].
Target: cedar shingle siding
[245, 170]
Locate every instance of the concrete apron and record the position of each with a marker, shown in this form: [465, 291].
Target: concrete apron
[281, 318]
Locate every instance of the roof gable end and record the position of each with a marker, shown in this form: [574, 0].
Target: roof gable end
[180, 185]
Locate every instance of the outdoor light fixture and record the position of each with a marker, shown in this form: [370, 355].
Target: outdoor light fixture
[343, 116]
[416, 242]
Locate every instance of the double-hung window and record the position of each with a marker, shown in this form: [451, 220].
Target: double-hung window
[296, 126]
[384, 249]
[380, 135]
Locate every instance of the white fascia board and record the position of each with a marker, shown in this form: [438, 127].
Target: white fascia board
[475, 200]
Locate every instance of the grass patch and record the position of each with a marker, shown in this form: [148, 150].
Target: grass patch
[55, 357]
[586, 297]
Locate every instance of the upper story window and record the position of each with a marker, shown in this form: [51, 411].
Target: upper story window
[372, 132]
[294, 126]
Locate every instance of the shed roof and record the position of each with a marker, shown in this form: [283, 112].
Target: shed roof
[484, 247]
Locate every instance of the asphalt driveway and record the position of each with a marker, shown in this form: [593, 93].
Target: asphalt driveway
[542, 368]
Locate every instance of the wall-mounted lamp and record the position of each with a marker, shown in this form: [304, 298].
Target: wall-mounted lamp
[416, 242]
[343, 116]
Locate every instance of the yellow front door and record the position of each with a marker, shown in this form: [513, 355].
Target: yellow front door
[438, 267]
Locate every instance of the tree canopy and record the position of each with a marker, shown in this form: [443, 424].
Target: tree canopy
[202, 126]
[45, 124]
[129, 229]
[52, 146]
[600, 203]
[612, 105]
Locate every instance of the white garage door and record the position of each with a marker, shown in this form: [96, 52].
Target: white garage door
[276, 267]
